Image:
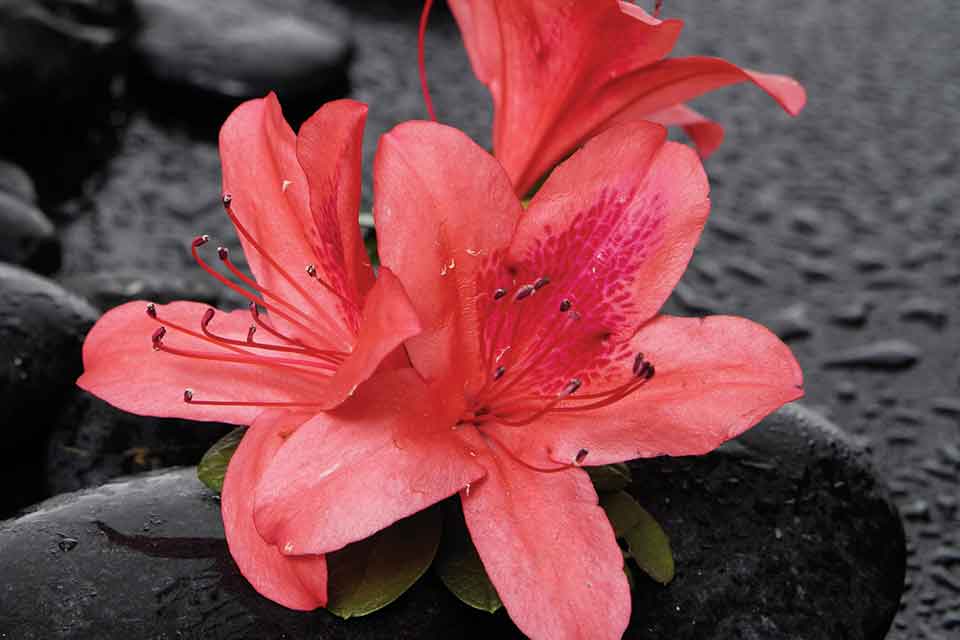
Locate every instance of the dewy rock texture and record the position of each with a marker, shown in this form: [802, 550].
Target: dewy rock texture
[783, 533]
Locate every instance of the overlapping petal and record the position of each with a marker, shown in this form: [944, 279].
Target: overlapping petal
[706, 134]
[296, 582]
[715, 378]
[549, 550]
[122, 367]
[444, 208]
[384, 455]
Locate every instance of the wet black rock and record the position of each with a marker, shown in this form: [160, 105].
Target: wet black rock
[818, 553]
[885, 354]
[244, 49]
[42, 327]
[91, 443]
[29, 238]
[108, 289]
[927, 310]
[16, 182]
[56, 57]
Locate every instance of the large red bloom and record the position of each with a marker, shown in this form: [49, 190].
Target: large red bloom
[561, 71]
[318, 324]
[543, 351]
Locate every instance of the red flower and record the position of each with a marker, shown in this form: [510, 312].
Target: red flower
[328, 325]
[561, 71]
[542, 352]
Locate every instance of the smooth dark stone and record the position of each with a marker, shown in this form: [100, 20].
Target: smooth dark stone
[29, 238]
[108, 289]
[792, 323]
[91, 443]
[16, 182]
[42, 327]
[785, 532]
[57, 56]
[886, 354]
[927, 310]
[244, 49]
[853, 314]
[791, 508]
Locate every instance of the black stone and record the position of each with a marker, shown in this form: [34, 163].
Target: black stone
[108, 289]
[927, 310]
[42, 327]
[792, 323]
[784, 533]
[29, 238]
[91, 443]
[229, 51]
[886, 354]
[17, 182]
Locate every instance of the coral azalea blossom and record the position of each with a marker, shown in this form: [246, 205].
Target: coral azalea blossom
[318, 325]
[561, 71]
[542, 352]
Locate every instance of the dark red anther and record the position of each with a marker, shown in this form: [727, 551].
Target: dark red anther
[188, 395]
[541, 283]
[499, 293]
[524, 292]
[152, 310]
[499, 372]
[571, 387]
[227, 199]
[223, 253]
[254, 311]
[157, 337]
[207, 317]
[638, 364]
[199, 241]
[565, 305]
[311, 271]
[252, 330]
[657, 6]
[581, 456]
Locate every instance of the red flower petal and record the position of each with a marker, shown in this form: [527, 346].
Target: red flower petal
[443, 207]
[615, 226]
[706, 134]
[715, 378]
[549, 551]
[542, 63]
[296, 582]
[343, 476]
[270, 198]
[330, 148]
[121, 367]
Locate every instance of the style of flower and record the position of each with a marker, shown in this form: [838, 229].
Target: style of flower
[542, 352]
[561, 71]
[318, 324]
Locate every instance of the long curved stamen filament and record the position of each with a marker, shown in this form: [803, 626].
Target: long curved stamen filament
[581, 456]
[334, 357]
[189, 399]
[421, 58]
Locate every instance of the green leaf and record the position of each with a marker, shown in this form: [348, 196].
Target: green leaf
[647, 543]
[213, 464]
[370, 574]
[459, 566]
[610, 477]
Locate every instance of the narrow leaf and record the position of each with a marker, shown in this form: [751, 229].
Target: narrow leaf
[650, 548]
[370, 574]
[610, 477]
[213, 464]
[622, 510]
[460, 568]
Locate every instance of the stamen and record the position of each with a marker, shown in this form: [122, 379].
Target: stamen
[189, 399]
[421, 58]
[499, 372]
[312, 272]
[157, 338]
[565, 305]
[532, 467]
[152, 310]
[499, 293]
[541, 283]
[334, 357]
[524, 292]
[581, 456]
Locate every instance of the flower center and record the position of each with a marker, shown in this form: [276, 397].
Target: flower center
[281, 353]
[539, 359]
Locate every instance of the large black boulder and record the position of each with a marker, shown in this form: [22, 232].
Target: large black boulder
[785, 533]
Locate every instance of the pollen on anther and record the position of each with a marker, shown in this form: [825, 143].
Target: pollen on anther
[227, 199]
[199, 241]
[541, 283]
[499, 293]
[223, 253]
[524, 292]
[152, 310]
[565, 305]
[571, 387]
[311, 271]
[188, 395]
[581, 456]
[499, 372]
